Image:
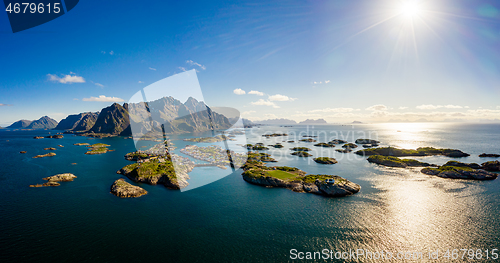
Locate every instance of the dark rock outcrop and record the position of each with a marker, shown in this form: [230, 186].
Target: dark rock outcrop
[454, 172]
[123, 189]
[493, 166]
[491, 155]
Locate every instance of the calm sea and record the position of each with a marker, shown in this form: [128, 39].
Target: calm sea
[229, 220]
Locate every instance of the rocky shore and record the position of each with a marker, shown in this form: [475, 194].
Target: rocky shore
[123, 189]
[296, 180]
[392, 161]
[325, 160]
[455, 172]
[157, 173]
[54, 180]
[45, 155]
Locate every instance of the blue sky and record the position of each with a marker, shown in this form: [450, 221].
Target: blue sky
[368, 60]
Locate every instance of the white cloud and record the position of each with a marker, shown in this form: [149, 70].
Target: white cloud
[403, 108]
[327, 81]
[2, 105]
[67, 79]
[182, 68]
[75, 99]
[258, 93]
[152, 68]
[192, 63]
[334, 110]
[239, 92]
[378, 107]
[140, 82]
[103, 98]
[262, 102]
[245, 113]
[99, 84]
[111, 52]
[434, 107]
[279, 97]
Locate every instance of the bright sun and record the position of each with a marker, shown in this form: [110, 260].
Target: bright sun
[409, 9]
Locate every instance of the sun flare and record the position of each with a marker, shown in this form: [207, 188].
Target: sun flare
[409, 9]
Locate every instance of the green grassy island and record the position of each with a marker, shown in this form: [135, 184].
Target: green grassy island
[424, 151]
[98, 148]
[325, 160]
[277, 145]
[301, 154]
[307, 140]
[392, 161]
[292, 178]
[322, 144]
[274, 135]
[301, 149]
[460, 172]
[349, 145]
[337, 141]
[263, 157]
[154, 172]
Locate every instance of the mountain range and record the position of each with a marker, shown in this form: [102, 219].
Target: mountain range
[42, 123]
[163, 116]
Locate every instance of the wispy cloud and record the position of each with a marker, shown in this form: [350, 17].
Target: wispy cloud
[103, 98]
[279, 97]
[245, 113]
[262, 102]
[379, 107]
[111, 52]
[434, 107]
[152, 68]
[239, 92]
[192, 63]
[5, 105]
[66, 79]
[140, 82]
[321, 82]
[334, 110]
[183, 69]
[258, 93]
[403, 108]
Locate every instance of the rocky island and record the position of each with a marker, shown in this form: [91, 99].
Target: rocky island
[325, 160]
[123, 189]
[423, 151]
[326, 145]
[490, 155]
[307, 140]
[296, 180]
[301, 154]
[54, 180]
[158, 172]
[460, 172]
[45, 155]
[392, 161]
[98, 148]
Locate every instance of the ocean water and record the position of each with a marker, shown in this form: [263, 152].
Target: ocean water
[229, 220]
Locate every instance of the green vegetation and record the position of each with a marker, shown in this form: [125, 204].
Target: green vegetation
[307, 140]
[274, 135]
[460, 164]
[151, 169]
[99, 145]
[451, 168]
[263, 157]
[134, 156]
[278, 145]
[349, 145]
[325, 160]
[287, 169]
[347, 150]
[392, 161]
[425, 151]
[281, 174]
[322, 144]
[98, 148]
[301, 149]
[301, 154]
[311, 178]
